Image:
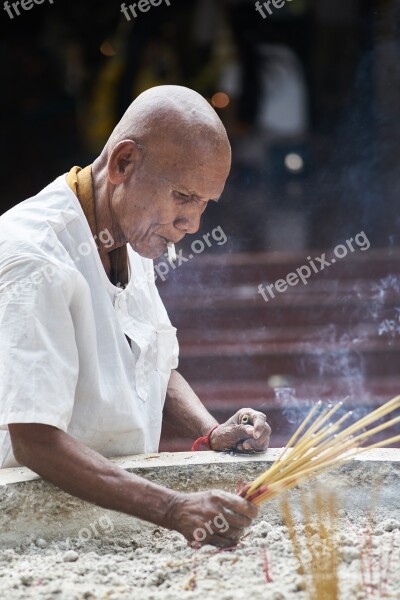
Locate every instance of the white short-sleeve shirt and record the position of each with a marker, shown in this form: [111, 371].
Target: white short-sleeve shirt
[64, 357]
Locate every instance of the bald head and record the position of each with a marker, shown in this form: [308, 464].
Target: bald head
[171, 117]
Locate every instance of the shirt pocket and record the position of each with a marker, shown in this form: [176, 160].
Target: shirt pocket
[143, 338]
[144, 349]
[166, 339]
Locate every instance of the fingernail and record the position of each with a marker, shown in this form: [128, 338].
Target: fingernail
[257, 435]
[246, 446]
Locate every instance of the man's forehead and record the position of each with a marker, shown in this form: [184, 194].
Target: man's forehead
[190, 153]
[198, 184]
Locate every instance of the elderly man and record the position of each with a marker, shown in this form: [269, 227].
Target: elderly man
[88, 355]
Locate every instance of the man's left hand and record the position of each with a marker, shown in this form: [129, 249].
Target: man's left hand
[247, 431]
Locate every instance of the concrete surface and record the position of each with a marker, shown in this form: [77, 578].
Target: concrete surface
[31, 508]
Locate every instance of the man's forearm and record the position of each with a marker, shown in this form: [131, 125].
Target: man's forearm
[183, 408]
[82, 472]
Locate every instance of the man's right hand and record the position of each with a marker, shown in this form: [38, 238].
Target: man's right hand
[213, 517]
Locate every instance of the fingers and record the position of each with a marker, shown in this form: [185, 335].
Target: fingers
[225, 531]
[223, 541]
[260, 425]
[246, 431]
[238, 505]
[228, 435]
[252, 445]
[238, 521]
[259, 420]
[259, 439]
[216, 517]
[243, 431]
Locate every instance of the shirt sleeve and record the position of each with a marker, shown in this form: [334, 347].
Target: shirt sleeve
[39, 362]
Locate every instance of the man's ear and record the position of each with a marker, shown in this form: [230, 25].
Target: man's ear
[124, 159]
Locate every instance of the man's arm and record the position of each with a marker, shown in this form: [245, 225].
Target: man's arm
[82, 472]
[184, 410]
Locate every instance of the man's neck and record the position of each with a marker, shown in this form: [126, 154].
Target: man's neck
[105, 221]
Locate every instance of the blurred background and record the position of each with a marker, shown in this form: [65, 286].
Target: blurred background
[310, 97]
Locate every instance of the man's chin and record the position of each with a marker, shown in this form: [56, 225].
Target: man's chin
[149, 252]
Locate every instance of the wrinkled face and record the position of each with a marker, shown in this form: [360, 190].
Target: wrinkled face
[165, 196]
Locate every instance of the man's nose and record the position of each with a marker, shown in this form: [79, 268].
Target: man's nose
[189, 222]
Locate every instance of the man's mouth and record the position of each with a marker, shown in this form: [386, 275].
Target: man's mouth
[169, 241]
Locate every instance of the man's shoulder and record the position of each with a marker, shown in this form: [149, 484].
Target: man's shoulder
[54, 206]
[36, 223]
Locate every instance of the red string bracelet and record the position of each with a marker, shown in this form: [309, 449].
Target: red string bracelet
[206, 440]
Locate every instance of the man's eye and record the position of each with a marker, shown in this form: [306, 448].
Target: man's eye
[184, 197]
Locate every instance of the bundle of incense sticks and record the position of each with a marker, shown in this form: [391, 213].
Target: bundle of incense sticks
[319, 445]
